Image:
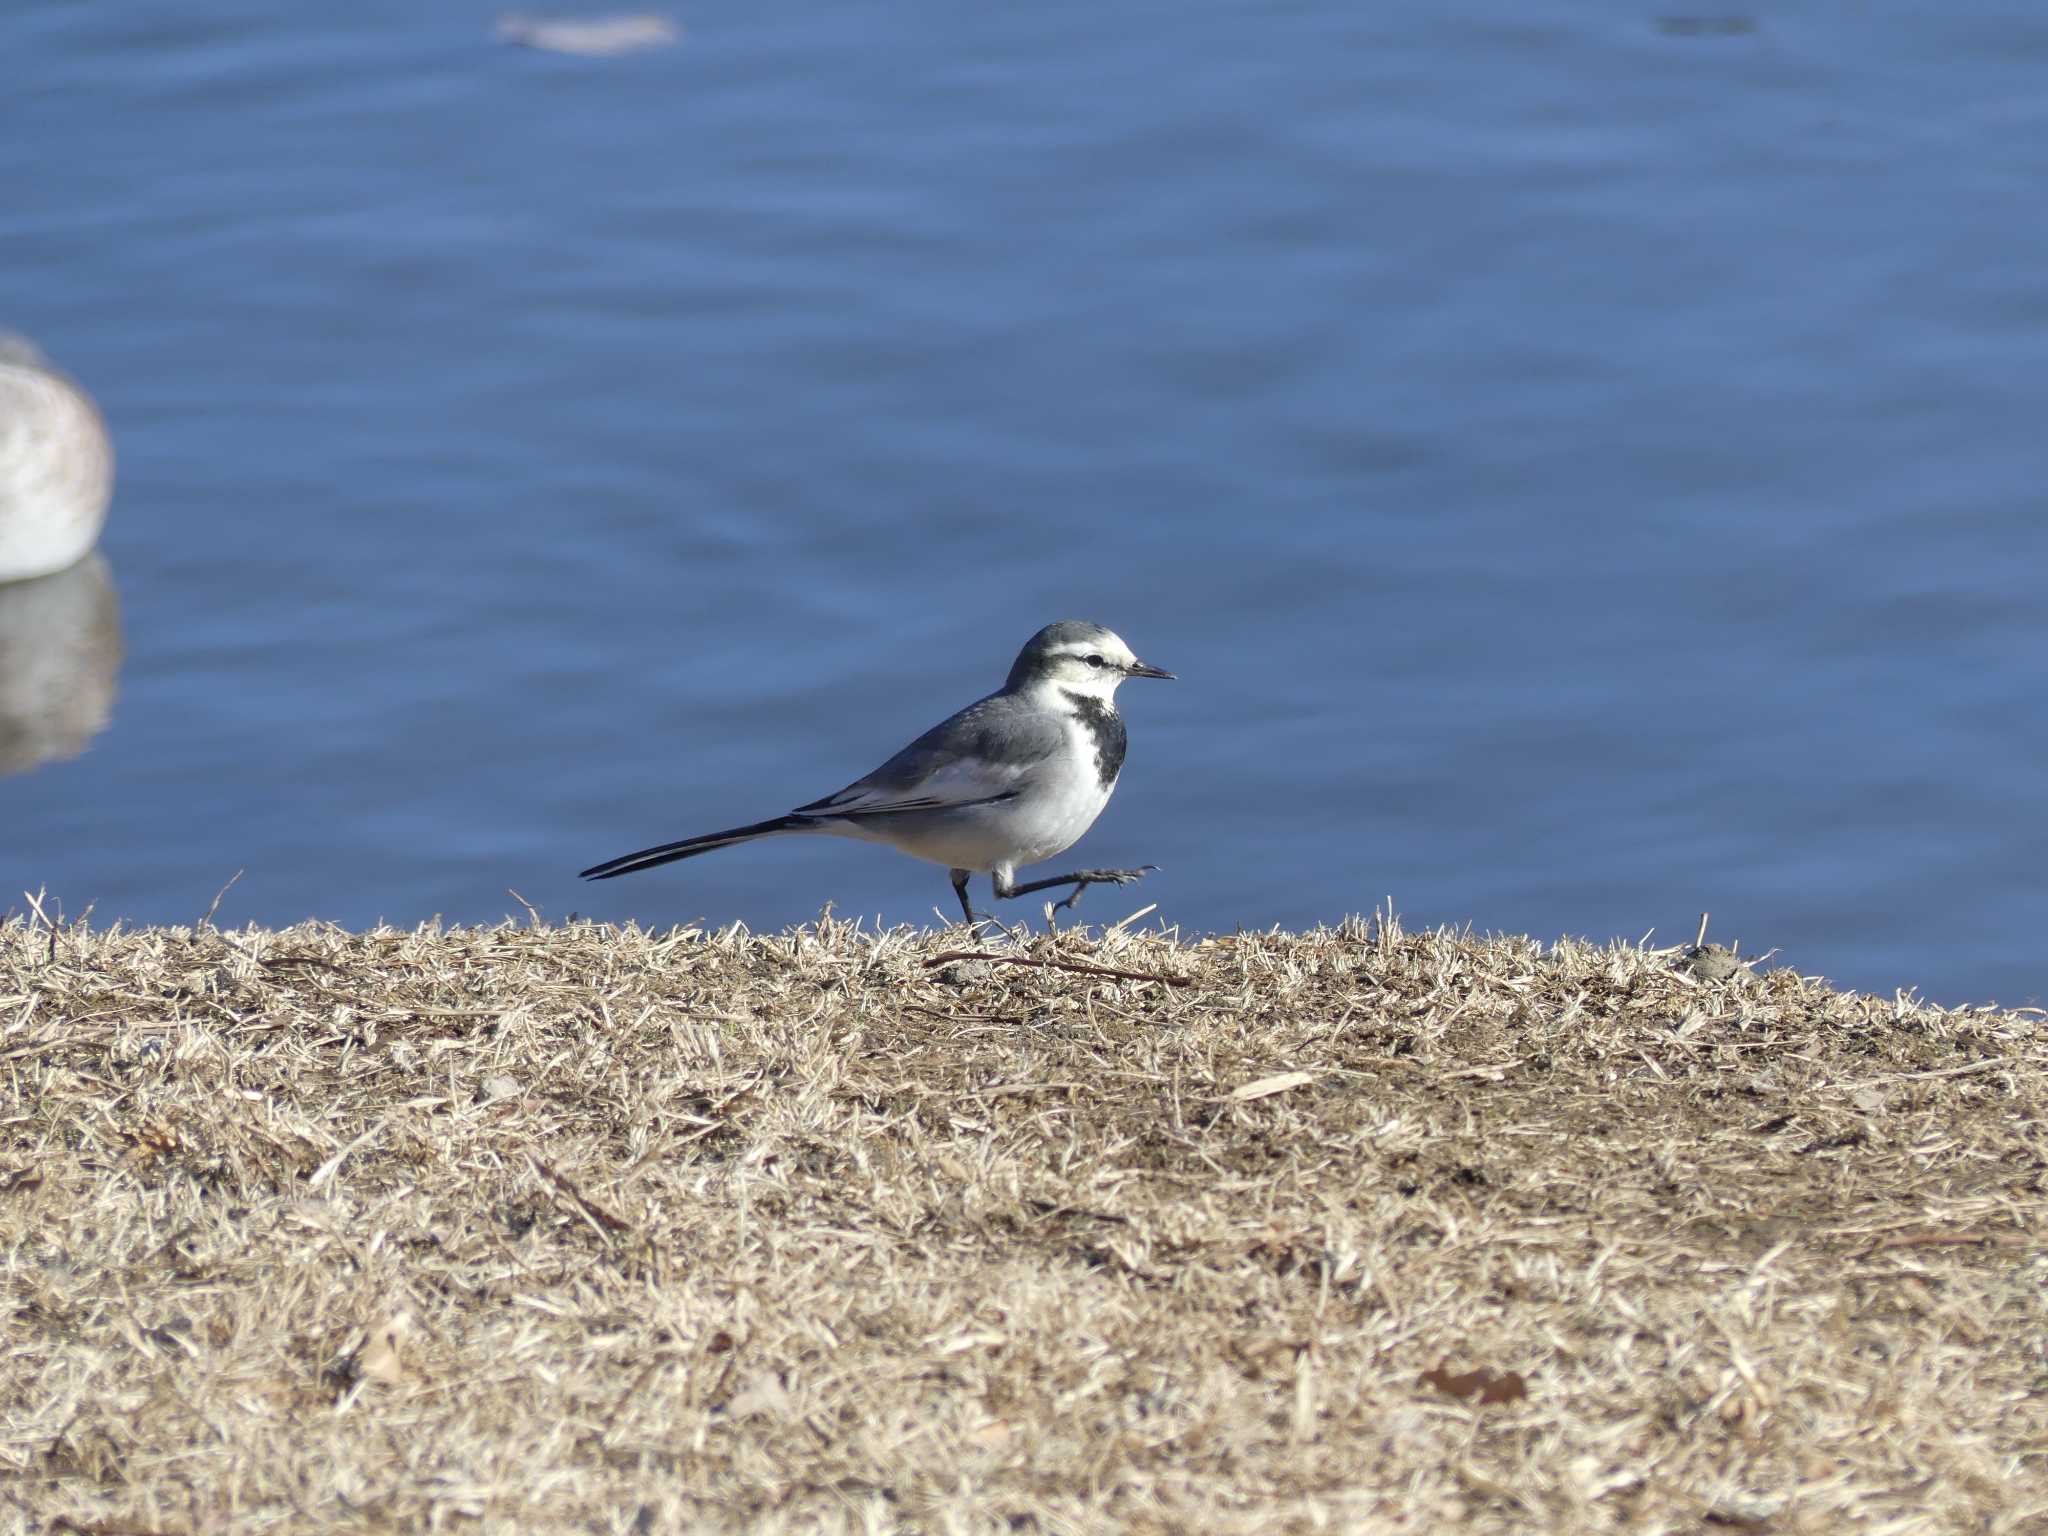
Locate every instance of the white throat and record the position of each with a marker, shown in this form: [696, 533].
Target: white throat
[1059, 693]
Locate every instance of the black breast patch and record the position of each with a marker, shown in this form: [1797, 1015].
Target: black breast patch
[1107, 727]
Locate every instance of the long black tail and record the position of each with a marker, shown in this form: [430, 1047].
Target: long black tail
[690, 847]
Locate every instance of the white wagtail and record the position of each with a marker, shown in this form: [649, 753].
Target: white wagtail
[1011, 779]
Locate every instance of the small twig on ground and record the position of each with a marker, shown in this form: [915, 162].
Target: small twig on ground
[278, 962]
[1003, 1090]
[1057, 965]
[962, 1018]
[207, 921]
[605, 1221]
[2000, 1239]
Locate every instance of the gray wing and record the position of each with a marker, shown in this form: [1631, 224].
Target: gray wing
[988, 752]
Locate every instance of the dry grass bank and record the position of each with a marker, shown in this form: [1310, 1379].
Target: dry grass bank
[590, 1229]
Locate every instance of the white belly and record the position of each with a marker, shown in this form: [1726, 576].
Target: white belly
[1043, 825]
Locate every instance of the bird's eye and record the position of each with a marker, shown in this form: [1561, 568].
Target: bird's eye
[1094, 661]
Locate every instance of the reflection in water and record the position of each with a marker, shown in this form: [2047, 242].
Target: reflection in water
[56, 465]
[60, 648]
[594, 36]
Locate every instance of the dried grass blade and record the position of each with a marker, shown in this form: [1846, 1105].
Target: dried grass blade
[1266, 1087]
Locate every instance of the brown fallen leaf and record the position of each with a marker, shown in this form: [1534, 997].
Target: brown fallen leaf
[1482, 1386]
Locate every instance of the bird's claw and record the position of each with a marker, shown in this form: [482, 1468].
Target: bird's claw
[1088, 877]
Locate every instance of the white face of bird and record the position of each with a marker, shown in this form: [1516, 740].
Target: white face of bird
[1080, 658]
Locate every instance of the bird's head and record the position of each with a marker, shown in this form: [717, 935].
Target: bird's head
[1078, 657]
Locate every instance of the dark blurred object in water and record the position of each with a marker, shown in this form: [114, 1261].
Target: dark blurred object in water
[56, 465]
[1706, 26]
[60, 651]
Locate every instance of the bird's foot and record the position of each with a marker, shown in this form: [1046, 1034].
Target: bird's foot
[1083, 878]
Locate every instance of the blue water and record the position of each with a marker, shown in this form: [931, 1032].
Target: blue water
[1586, 467]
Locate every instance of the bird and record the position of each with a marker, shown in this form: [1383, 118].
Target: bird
[1013, 778]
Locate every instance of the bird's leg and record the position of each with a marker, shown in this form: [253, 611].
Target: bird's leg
[980, 922]
[1080, 880]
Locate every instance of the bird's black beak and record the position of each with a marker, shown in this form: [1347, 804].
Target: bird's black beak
[1139, 669]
